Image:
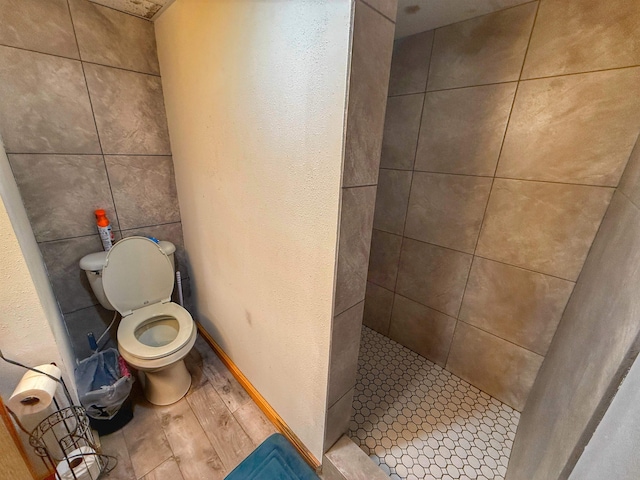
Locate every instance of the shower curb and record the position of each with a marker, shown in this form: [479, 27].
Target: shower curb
[346, 461]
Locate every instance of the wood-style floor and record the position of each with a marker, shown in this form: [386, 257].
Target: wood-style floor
[203, 436]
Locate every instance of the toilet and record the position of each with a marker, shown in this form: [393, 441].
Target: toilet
[136, 278]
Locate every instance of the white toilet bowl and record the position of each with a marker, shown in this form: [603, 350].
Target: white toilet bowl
[155, 334]
[155, 340]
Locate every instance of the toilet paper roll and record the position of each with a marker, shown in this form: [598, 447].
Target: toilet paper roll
[82, 462]
[35, 391]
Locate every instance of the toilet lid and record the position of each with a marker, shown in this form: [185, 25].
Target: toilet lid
[136, 274]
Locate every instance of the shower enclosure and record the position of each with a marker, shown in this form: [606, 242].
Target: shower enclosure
[497, 168]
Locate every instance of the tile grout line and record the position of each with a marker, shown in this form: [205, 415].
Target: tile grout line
[586, 72]
[439, 367]
[502, 338]
[93, 114]
[406, 213]
[477, 399]
[205, 436]
[515, 94]
[79, 59]
[366, 2]
[158, 416]
[360, 186]
[479, 256]
[126, 13]
[483, 15]
[498, 177]
[75, 154]
[486, 208]
[232, 413]
[504, 137]
[115, 231]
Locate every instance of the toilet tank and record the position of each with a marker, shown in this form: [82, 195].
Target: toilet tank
[93, 264]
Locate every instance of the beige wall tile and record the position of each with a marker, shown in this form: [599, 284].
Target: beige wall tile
[129, 111]
[520, 306]
[433, 276]
[630, 181]
[384, 258]
[70, 284]
[496, 366]
[113, 38]
[44, 106]
[487, 49]
[356, 219]
[462, 129]
[144, 190]
[401, 127]
[345, 346]
[377, 308]
[338, 416]
[545, 227]
[90, 319]
[61, 192]
[387, 7]
[391, 200]
[51, 33]
[410, 64]
[574, 129]
[447, 210]
[596, 341]
[422, 329]
[584, 35]
[368, 84]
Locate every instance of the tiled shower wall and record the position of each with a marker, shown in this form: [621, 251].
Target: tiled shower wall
[504, 138]
[82, 119]
[372, 42]
[601, 320]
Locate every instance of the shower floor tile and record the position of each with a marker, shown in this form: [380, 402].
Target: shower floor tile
[416, 420]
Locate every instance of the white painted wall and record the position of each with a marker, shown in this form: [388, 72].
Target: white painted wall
[31, 326]
[255, 95]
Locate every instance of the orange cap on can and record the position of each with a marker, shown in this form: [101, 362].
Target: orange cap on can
[101, 218]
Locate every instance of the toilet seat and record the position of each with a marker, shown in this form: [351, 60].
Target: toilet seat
[128, 341]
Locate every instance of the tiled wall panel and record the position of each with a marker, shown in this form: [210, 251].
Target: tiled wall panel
[373, 30]
[504, 178]
[596, 341]
[83, 122]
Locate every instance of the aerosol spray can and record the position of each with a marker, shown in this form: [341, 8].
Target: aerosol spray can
[104, 229]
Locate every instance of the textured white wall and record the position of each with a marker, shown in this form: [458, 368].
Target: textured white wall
[255, 95]
[31, 327]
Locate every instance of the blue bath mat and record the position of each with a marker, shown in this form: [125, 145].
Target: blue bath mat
[274, 459]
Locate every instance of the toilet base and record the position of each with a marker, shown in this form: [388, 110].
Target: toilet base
[167, 385]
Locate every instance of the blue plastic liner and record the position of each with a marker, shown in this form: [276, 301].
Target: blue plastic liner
[102, 385]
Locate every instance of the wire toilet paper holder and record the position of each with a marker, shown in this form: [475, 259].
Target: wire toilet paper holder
[64, 438]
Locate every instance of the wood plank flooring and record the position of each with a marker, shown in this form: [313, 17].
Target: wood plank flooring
[203, 436]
